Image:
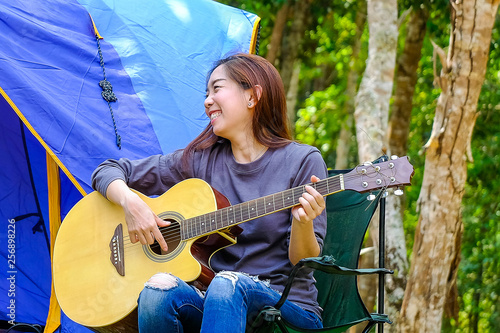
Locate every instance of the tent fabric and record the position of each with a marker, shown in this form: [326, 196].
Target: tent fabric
[169, 71]
[26, 263]
[156, 57]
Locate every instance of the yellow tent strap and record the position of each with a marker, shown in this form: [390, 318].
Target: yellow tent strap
[255, 36]
[96, 32]
[44, 144]
[54, 195]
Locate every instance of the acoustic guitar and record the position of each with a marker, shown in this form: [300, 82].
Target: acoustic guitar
[98, 273]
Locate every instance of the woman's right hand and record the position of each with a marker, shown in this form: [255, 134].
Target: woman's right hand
[142, 222]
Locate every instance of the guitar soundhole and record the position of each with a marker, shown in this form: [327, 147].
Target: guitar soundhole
[171, 234]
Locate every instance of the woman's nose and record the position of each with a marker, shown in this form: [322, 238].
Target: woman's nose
[208, 102]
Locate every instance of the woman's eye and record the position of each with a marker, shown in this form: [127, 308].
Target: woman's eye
[215, 89]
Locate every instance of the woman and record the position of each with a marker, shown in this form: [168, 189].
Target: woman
[246, 152]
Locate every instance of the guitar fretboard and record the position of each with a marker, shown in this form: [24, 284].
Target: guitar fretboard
[250, 210]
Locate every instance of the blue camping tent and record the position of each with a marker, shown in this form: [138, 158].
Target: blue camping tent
[56, 127]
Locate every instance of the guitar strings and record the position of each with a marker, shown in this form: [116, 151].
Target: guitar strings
[173, 236]
[170, 233]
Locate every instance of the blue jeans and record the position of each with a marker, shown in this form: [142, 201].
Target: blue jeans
[168, 304]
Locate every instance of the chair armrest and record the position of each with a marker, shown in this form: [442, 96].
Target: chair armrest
[266, 316]
[380, 318]
[326, 264]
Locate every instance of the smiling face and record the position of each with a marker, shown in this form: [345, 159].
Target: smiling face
[227, 106]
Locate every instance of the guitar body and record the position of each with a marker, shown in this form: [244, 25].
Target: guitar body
[88, 284]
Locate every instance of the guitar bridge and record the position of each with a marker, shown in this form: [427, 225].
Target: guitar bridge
[116, 246]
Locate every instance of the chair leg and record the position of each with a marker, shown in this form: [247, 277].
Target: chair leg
[369, 326]
[381, 261]
[281, 326]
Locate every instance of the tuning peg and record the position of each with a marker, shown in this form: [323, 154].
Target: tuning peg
[385, 194]
[394, 157]
[371, 197]
[398, 192]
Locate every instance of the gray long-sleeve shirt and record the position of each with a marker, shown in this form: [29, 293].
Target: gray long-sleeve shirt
[262, 247]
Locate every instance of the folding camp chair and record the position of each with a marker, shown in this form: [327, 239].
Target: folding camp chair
[348, 214]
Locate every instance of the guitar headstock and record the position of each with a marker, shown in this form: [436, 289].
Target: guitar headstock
[373, 176]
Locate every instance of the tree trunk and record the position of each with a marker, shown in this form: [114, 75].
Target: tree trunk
[291, 95]
[436, 249]
[293, 41]
[277, 34]
[344, 139]
[399, 128]
[406, 79]
[344, 144]
[372, 100]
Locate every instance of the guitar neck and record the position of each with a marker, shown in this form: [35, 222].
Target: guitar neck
[250, 210]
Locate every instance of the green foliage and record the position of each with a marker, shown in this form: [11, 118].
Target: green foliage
[326, 55]
[319, 121]
[328, 59]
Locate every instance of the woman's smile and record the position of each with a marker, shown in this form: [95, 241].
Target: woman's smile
[214, 115]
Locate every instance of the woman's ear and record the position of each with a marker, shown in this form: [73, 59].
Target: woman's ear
[253, 100]
[258, 89]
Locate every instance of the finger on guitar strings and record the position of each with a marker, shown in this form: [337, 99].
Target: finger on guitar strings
[315, 198]
[156, 234]
[320, 199]
[134, 237]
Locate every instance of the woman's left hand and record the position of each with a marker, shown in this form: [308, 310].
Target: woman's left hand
[312, 204]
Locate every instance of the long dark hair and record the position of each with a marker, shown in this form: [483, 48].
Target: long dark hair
[270, 121]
